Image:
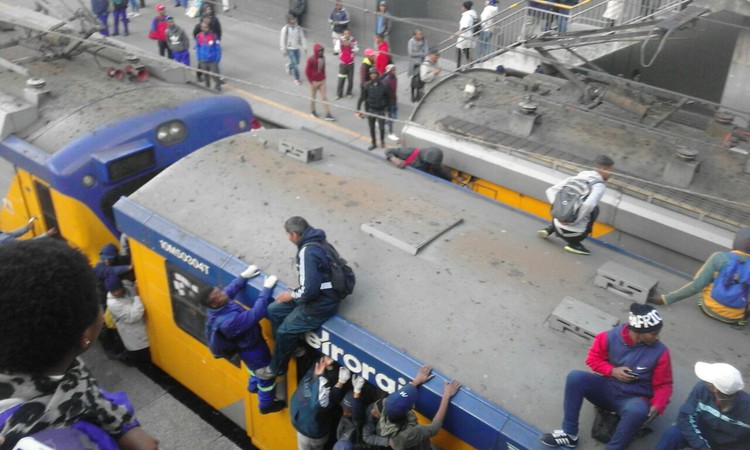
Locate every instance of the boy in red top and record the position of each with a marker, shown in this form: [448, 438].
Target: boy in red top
[159, 30]
[383, 57]
[316, 75]
[633, 378]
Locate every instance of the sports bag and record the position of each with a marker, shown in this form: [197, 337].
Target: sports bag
[342, 276]
[219, 345]
[568, 200]
[732, 285]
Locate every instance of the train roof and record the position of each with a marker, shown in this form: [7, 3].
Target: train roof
[474, 300]
[641, 128]
[82, 97]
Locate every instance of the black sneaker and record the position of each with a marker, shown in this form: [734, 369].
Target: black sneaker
[559, 438]
[276, 406]
[372, 147]
[314, 114]
[265, 373]
[330, 118]
[577, 249]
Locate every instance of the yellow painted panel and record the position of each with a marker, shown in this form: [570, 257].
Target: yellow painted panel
[80, 226]
[216, 381]
[20, 204]
[444, 439]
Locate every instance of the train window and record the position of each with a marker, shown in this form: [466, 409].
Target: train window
[45, 201]
[131, 164]
[110, 197]
[188, 313]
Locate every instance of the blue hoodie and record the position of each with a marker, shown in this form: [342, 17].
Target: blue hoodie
[315, 293]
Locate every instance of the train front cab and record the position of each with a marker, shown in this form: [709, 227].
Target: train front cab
[74, 188]
[171, 265]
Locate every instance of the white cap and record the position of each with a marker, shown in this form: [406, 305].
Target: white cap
[726, 378]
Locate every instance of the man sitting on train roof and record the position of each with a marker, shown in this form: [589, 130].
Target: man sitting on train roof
[575, 231]
[723, 306]
[399, 424]
[633, 378]
[307, 307]
[716, 415]
[429, 160]
[240, 329]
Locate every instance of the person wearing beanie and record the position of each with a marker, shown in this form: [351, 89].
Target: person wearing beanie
[377, 102]
[719, 309]
[128, 312]
[715, 415]
[632, 377]
[398, 423]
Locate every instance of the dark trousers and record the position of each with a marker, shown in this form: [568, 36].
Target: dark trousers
[577, 238]
[120, 15]
[672, 439]
[346, 74]
[254, 359]
[371, 118]
[466, 52]
[164, 49]
[289, 323]
[103, 18]
[633, 411]
[210, 67]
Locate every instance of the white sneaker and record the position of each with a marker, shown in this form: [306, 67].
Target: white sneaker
[225, 9]
[136, 14]
[288, 69]
[393, 137]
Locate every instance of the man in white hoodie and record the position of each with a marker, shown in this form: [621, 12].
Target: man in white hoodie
[488, 25]
[466, 38]
[576, 231]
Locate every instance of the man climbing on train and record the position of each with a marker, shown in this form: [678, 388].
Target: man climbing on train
[575, 205]
[232, 328]
[306, 307]
[724, 283]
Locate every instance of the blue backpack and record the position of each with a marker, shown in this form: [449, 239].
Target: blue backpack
[219, 345]
[732, 285]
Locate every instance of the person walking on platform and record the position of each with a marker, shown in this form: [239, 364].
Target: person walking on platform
[297, 8]
[316, 75]
[347, 49]
[159, 31]
[100, 8]
[120, 15]
[178, 43]
[229, 323]
[632, 377]
[377, 103]
[716, 415]
[306, 307]
[292, 42]
[582, 192]
[728, 299]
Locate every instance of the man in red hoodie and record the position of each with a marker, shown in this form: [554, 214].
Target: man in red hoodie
[383, 58]
[316, 75]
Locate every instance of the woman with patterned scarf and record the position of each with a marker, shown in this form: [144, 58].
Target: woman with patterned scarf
[51, 315]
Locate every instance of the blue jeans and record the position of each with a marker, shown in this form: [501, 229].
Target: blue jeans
[633, 411]
[672, 439]
[289, 323]
[393, 114]
[484, 43]
[294, 62]
[134, 6]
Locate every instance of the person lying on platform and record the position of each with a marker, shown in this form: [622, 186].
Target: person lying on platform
[429, 160]
[231, 328]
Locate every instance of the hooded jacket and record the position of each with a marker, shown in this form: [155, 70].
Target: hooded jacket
[177, 39]
[374, 96]
[315, 293]
[428, 160]
[127, 312]
[383, 58]
[207, 47]
[158, 27]
[316, 65]
[312, 404]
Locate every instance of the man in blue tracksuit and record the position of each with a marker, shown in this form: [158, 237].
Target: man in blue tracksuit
[307, 307]
[716, 415]
[241, 326]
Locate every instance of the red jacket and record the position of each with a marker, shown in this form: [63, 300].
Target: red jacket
[159, 28]
[661, 378]
[316, 68]
[383, 58]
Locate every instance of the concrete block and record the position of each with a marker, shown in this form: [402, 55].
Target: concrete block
[304, 153]
[580, 319]
[15, 115]
[680, 173]
[521, 124]
[624, 281]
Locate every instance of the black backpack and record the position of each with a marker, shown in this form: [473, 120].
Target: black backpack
[342, 276]
[569, 199]
[477, 27]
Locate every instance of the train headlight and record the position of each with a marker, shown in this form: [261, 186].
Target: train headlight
[171, 133]
[88, 180]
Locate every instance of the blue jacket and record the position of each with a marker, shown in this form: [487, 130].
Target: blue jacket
[704, 426]
[207, 47]
[312, 408]
[243, 325]
[315, 293]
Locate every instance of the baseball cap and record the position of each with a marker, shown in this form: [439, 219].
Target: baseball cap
[109, 251]
[398, 404]
[160, 7]
[726, 378]
[369, 52]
